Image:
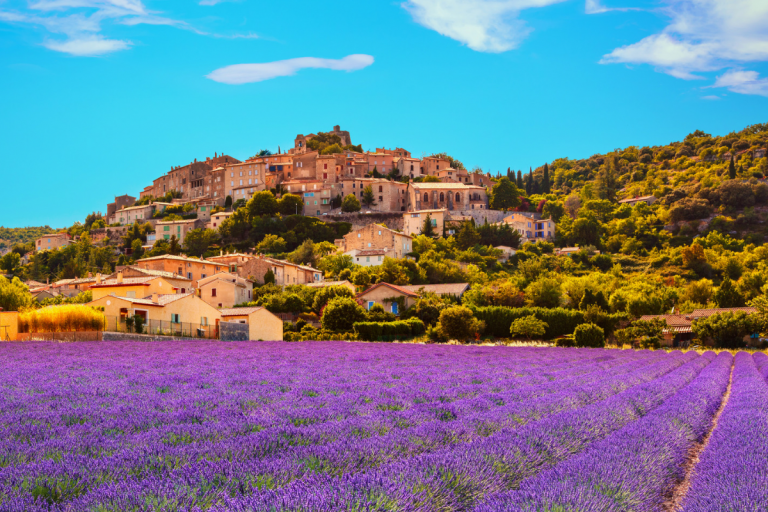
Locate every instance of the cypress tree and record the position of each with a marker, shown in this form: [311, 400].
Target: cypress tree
[529, 184]
[509, 173]
[520, 180]
[731, 169]
[545, 180]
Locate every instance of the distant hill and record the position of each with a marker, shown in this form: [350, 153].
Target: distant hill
[12, 236]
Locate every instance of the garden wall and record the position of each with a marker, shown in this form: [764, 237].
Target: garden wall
[61, 336]
[393, 220]
[122, 336]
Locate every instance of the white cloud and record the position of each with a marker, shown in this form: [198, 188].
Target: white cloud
[710, 97]
[81, 22]
[247, 73]
[88, 47]
[596, 7]
[703, 35]
[743, 82]
[483, 25]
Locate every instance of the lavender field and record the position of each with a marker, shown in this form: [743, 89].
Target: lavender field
[326, 426]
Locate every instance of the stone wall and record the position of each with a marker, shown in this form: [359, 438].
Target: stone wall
[121, 336]
[234, 331]
[493, 216]
[393, 220]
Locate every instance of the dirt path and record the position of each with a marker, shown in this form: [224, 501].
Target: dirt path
[675, 501]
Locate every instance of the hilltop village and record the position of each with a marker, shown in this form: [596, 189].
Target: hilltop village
[670, 234]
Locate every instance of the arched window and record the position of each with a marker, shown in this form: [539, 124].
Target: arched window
[426, 197]
[442, 197]
[458, 197]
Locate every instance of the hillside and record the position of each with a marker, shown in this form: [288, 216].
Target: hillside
[12, 236]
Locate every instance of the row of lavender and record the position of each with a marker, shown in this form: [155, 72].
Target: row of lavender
[362, 427]
[113, 427]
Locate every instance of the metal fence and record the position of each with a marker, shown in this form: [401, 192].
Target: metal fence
[163, 328]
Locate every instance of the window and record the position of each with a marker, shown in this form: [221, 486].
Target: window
[213, 292]
[189, 275]
[381, 199]
[325, 166]
[367, 259]
[394, 308]
[174, 318]
[204, 321]
[442, 197]
[130, 295]
[426, 197]
[379, 232]
[370, 304]
[369, 244]
[381, 189]
[202, 276]
[166, 228]
[458, 197]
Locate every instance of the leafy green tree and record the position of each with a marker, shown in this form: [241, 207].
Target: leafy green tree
[174, 247]
[607, 179]
[731, 169]
[427, 309]
[228, 202]
[458, 322]
[727, 296]
[325, 294]
[368, 198]
[648, 333]
[553, 210]
[528, 327]
[427, 229]
[197, 241]
[290, 204]
[467, 236]
[11, 263]
[269, 277]
[504, 195]
[350, 204]
[262, 203]
[341, 313]
[545, 180]
[589, 335]
[14, 295]
[137, 251]
[544, 293]
[727, 329]
[272, 244]
[334, 265]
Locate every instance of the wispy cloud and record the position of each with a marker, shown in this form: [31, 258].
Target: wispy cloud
[248, 73]
[597, 7]
[743, 82]
[702, 36]
[77, 27]
[483, 25]
[710, 98]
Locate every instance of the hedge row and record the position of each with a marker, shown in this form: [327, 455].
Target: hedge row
[372, 331]
[560, 321]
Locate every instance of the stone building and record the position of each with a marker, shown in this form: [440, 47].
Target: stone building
[397, 152]
[224, 290]
[300, 142]
[120, 202]
[52, 241]
[180, 228]
[390, 196]
[192, 268]
[413, 222]
[451, 196]
[379, 237]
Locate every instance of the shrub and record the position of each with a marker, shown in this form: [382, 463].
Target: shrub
[434, 333]
[498, 320]
[689, 209]
[458, 322]
[368, 331]
[372, 331]
[528, 327]
[589, 335]
[726, 329]
[62, 318]
[341, 313]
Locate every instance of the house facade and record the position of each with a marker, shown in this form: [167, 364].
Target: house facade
[413, 222]
[192, 268]
[373, 237]
[449, 196]
[52, 241]
[224, 290]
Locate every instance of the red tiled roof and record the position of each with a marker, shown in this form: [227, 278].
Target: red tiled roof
[399, 289]
[133, 281]
[239, 311]
[440, 289]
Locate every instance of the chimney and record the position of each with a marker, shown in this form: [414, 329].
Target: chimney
[156, 298]
[120, 277]
[98, 278]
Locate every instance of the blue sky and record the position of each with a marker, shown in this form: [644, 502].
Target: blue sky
[99, 97]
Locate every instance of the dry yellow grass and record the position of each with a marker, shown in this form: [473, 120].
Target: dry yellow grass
[70, 317]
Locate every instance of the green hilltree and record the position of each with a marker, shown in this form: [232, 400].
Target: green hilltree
[504, 195]
[350, 204]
